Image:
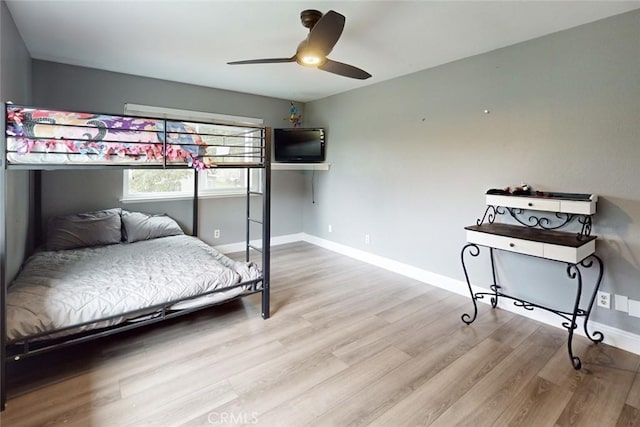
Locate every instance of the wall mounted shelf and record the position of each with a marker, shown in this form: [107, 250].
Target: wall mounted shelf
[300, 166]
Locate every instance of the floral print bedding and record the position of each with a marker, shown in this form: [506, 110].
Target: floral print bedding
[40, 136]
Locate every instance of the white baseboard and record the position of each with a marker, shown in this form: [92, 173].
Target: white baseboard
[275, 241]
[612, 336]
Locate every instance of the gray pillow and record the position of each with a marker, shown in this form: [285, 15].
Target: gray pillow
[141, 226]
[84, 229]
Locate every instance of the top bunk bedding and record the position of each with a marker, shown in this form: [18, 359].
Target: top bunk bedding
[41, 137]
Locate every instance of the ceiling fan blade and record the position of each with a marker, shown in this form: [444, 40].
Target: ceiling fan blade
[325, 34]
[264, 61]
[345, 70]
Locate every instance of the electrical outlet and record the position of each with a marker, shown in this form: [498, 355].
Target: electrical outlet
[330, 228]
[216, 234]
[604, 299]
[367, 239]
[622, 303]
[634, 308]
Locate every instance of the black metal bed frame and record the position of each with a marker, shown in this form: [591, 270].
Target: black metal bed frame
[34, 345]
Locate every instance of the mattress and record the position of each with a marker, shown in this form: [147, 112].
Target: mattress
[51, 137]
[62, 289]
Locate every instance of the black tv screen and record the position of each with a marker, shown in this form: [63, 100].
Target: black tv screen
[299, 145]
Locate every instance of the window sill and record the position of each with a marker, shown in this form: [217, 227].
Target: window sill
[178, 198]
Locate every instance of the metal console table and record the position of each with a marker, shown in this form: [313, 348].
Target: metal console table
[536, 234]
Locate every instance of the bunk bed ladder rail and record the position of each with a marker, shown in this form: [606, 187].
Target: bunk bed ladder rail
[265, 223]
[3, 269]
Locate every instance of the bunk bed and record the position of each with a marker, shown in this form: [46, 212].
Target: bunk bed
[78, 249]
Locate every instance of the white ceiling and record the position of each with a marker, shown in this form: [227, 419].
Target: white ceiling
[191, 41]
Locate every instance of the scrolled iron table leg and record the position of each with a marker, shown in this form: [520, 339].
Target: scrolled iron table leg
[573, 271]
[597, 335]
[495, 287]
[474, 250]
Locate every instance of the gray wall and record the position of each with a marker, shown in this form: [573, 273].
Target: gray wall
[412, 170]
[84, 89]
[15, 86]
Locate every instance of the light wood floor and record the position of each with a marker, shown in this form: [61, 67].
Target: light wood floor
[347, 344]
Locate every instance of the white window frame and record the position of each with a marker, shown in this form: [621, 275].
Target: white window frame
[195, 116]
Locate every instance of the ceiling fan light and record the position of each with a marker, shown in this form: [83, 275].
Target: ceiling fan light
[311, 60]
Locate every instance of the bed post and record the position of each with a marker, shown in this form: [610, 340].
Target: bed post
[36, 216]
[247, 229]
[3, 266]
[194, 229]
[266, 227]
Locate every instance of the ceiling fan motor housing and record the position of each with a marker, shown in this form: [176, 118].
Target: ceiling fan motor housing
[310, 17]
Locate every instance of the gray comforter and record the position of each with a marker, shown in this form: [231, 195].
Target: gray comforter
[58, 289]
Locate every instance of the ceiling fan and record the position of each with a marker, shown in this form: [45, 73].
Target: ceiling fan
[324, 32]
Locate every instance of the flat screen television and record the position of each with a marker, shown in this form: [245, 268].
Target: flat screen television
[299, 145]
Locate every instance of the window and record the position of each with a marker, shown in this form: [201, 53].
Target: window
[152, 184]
